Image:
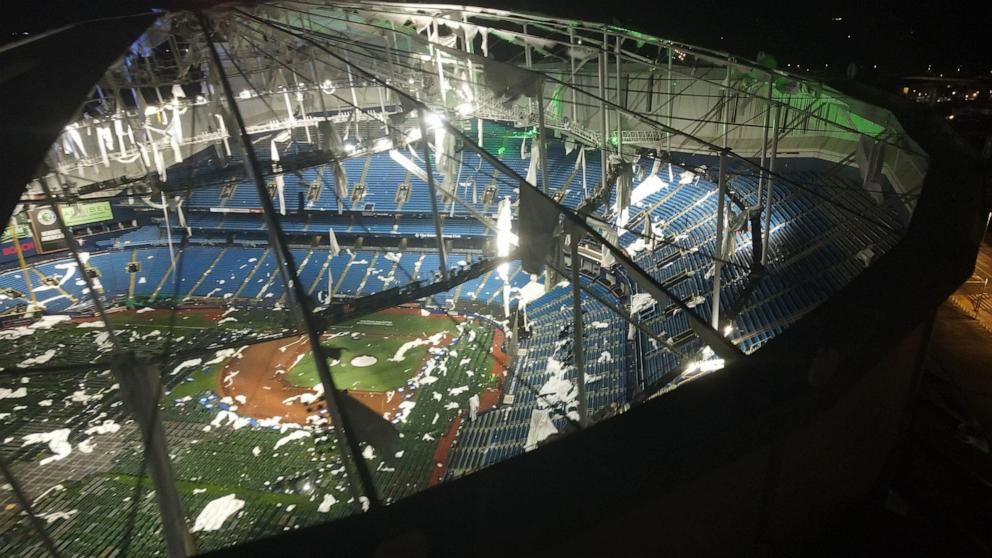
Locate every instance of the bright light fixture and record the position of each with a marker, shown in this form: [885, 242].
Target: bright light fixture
[432, 119]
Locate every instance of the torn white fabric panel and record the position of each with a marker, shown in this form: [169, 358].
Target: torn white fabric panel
[216, 512]
[540, 428]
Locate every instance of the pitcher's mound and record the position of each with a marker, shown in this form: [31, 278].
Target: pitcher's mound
[362, 361]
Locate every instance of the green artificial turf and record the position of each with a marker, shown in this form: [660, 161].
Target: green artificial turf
[379, 335]
[196, 383]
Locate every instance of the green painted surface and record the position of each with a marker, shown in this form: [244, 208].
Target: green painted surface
[380, 336]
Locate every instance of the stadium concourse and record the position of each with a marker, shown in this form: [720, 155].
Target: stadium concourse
[293, 262]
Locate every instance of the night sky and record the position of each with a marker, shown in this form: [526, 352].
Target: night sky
[901, 37]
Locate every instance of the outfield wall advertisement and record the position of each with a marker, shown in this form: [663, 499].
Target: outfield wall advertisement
[48, 235]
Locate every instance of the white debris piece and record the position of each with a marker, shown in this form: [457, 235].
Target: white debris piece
[54, 516]
[187, 364]
[216, 512]
[401, 352]
[368, 452]
[231, 418]
[145, 309]
[54, 488]
[473, 406]
[199, 490]
[40, 359]
[256, 451]
[241, 399]
[7, 393]
[695, 301]
[57, 441]
[540, 428]
[97, 323]
[650, 185]
[605, 356]
[107, 427]
[222, 355]
[326, 503]
[45, 403]
[636, 246]
[558, 390]
[457, 391]
[600, 325]
[295, 435]
[45, 322]
[404, 408]
[641, 301]
[103, 341]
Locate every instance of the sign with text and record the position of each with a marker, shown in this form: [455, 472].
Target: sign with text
[22, 229]
[49, 237]
[86, 213]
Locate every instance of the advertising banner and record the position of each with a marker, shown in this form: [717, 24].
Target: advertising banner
[47, 235]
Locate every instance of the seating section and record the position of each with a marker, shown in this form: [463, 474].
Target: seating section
[537, 382]
[239, 273]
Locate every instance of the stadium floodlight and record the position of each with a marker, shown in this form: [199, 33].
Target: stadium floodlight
[432, 119]
[465, 109]
[705, 366]
[350, 146]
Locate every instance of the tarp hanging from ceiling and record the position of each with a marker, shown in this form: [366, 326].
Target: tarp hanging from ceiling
[537, 220]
